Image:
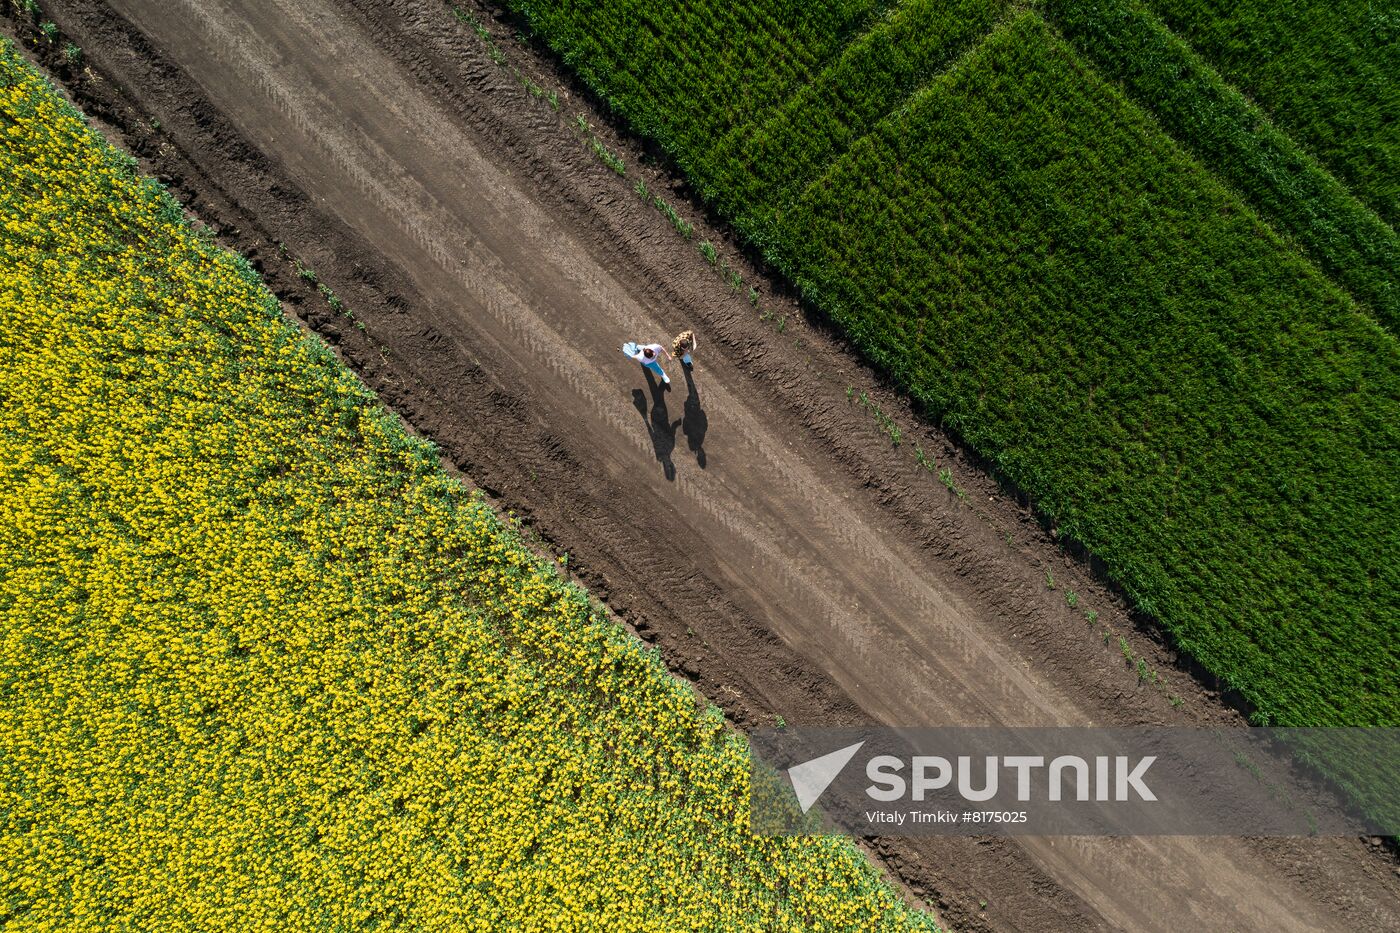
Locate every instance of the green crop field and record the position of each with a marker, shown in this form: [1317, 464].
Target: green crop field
[1325, 71]
[1236, 141]
[1072, 241]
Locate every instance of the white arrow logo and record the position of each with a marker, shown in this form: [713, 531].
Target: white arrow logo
[811, 778]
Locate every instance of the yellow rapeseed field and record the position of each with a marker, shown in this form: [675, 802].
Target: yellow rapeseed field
[264, 665]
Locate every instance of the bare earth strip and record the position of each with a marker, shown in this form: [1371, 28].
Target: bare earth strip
[752, 522]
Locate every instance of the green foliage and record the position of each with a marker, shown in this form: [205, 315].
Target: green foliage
[758, 166]
[687, 74]
[1325, 70]
[1290, 190]
[1110, 326]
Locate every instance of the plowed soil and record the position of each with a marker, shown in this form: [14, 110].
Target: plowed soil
[753, 521]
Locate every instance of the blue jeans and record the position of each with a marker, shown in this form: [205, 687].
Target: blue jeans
[655, 367]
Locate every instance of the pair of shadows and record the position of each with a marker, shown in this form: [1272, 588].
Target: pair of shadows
[693, 422]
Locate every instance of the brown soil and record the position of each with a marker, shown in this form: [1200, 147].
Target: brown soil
[753, 522]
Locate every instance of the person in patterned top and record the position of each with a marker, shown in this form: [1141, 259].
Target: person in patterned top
[683, 346]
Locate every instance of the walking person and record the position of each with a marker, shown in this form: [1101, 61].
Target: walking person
[649, 355]
[684, 348]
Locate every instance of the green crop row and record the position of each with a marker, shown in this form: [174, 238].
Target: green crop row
[1047, 271]
[1325, 70]
[1235, 140]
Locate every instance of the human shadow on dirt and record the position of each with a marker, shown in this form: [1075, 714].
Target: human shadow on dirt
[694, 422]
[658, 422]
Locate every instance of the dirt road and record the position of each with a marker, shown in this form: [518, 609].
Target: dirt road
[752, 521]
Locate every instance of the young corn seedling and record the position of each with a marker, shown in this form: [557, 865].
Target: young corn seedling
[733, 278]
[682, 226]
[332, 298]
[609, 158]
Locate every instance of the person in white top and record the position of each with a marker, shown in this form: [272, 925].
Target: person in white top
[649, 355]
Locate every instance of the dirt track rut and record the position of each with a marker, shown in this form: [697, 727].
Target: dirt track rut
[748, 519]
